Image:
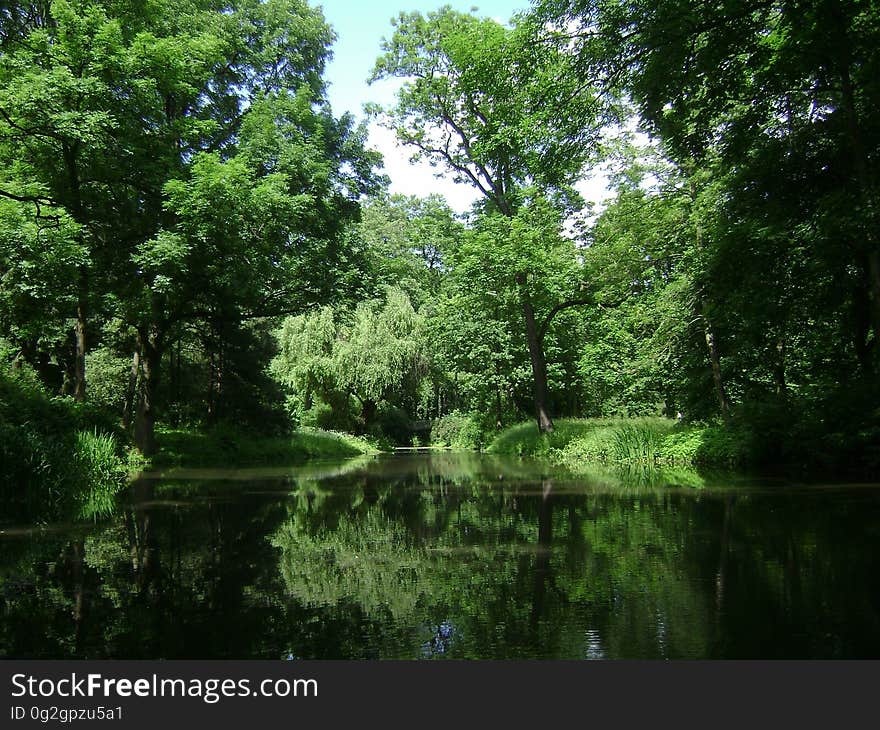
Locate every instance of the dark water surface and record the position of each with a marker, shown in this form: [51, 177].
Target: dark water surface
[426, 555]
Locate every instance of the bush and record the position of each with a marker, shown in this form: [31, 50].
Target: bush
[54, 454]
[576, 442]
[336, 413]
[108, 376]
[457, 430]
[393, 424]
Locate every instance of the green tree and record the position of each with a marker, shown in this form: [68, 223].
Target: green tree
[410, 241]
[784, 96]
[479, 317]
[154, 129]
[377, 354]
[62, 75]
[500, 113]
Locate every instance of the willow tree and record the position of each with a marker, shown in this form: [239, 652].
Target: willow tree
[376, 353]
[501, 113]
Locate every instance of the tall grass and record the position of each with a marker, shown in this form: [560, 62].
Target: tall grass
[523, 439]
[55, 455]
[637, 440]
[576, 442]
[100, 473]
[97, 456]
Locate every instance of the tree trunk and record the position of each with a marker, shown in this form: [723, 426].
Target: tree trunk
[536, 355]
[79, 366]
[715, 361]
[368, 411]
[131, 391]
[779, 367]
[145, 415]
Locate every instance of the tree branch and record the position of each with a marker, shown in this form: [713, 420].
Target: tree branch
[26, 198]
[570, 303]
[542, 331]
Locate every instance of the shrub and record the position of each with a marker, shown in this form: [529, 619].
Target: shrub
[457, 430]
[108, 376]
[392, 423]
[53, 452]
[576, 442]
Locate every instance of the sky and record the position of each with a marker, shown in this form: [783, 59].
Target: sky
[360, 26]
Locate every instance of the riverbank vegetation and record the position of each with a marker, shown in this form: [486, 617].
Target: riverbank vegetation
[190, 237]
[647, 441]
[225, 446]
[57, 457]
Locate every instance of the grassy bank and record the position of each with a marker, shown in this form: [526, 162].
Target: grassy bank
[577, 442]
[64, 460]
[57, 458]
[230, 447]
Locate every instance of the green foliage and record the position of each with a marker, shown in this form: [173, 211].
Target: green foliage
[457, 430]
[753, 267]
[409, 242]
[226, 444]
[639, 440]
[173, 182]
[376, 355]
[579, 443]
[108, 379]
[392, 424]
[381, 347]
[338, 415]
[170, 166]
[478, 320]
[499, 111]
[101, 473]
[56, 459]
[39, 263]
[97, 455]
[523, 439]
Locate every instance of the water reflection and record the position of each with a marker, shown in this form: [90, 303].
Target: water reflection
[445, 555]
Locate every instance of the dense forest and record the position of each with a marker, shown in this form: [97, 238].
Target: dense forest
[191, 241]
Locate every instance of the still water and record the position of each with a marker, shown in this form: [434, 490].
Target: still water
[433, 555]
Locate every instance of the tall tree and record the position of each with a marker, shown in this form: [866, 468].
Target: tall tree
[500, 113]
[146, 125]
[410, 241]
[61, 76]
[784, 94]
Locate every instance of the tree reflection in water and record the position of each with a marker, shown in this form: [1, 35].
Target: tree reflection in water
[451, 555]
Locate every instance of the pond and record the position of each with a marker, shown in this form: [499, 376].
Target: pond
[450, 555]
